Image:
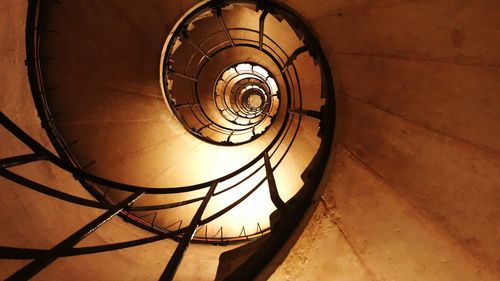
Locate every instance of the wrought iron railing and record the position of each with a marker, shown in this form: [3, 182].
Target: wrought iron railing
[191, 111]
[290, 213]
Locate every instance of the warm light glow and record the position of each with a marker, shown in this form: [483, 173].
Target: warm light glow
[255, 100]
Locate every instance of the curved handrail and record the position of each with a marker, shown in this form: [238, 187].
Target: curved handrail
[178, 34]
[66, 160]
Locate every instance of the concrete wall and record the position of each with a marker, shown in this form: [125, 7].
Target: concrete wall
[30, 219]
[414, 185]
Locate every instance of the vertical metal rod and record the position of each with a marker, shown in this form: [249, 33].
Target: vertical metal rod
[197, 47]
[232, 132]
[50, 256]
[273, 190]
[175, 260]
[261, 28]
[45, 29]
[70, 144]
[182, 75]
[202, 127]
[107, 191]
[88, 165]
[153, 221]
[186, 105]
[223, 25]
[244, 232]
[221, 235]
[293, 56]
[217, 233]
[206, 233]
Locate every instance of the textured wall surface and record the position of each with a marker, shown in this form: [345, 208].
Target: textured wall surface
[30, 219]
[413, 188]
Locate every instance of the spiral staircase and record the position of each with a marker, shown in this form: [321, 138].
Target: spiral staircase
[194, 140]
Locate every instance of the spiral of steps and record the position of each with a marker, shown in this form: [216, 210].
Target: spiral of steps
[222, 151]
[157, 149]
[104, 129]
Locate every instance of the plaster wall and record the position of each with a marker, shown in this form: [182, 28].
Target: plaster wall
[32, 220]
[413, 188]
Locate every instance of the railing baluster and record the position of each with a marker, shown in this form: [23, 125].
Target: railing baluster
[293, 56]
[153, 221]
[186, 105]
[88, 164]
[231, 134]
[175, 260]
[205, 54]
[50, 256]
[171, 71]
[273, 190]
[218, 11]
[262, 18]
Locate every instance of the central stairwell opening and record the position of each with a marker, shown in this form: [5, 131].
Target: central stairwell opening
[226, 153]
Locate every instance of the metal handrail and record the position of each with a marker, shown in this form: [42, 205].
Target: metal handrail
[66, 161]
[209, 123]
[89, 179]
